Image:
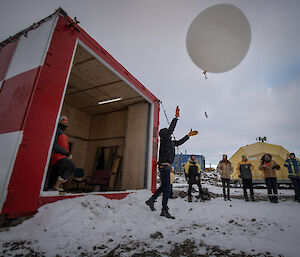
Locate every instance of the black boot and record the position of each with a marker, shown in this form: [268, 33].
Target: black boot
[225, 199]
[150, 203]
[165, 213]
[252, 198]
[189, 198]
[275, 199]
[271, 199]
[246, 198]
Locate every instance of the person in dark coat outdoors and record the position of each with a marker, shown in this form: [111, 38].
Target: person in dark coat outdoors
[293, 166]
[61, 164]
[192, 171]
[244, 168]
[166, 158]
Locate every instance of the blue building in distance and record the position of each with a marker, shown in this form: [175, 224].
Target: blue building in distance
[181, 159]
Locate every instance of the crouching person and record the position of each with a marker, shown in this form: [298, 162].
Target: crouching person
[269, 167]
[244, 171]
[192, 172]
[60, 159]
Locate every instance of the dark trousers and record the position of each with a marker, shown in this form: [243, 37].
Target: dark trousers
[271, 184]
[64, 168]
[247, 183]
[165, 186]
[198, 183]
[296, 185]
[226, 184]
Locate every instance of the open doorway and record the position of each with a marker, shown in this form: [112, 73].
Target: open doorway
[100, 129]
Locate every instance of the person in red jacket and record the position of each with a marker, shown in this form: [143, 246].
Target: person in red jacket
[60, 159]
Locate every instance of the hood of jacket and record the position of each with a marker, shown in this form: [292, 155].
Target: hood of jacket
[163, 133]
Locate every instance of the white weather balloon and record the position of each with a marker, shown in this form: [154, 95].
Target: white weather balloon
[218, 39]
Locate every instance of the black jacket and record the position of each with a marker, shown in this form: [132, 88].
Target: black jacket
[245, 169]
[167, 145]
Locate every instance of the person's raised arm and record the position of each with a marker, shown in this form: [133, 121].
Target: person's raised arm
[181, 141]
[185, 138]
[172, 127]
[173, 122]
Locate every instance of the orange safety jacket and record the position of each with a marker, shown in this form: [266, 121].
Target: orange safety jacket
[60, 147]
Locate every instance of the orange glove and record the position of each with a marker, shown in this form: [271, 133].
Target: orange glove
[177, 112]
[192, 133]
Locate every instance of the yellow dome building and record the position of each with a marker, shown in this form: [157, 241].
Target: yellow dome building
[254, 152]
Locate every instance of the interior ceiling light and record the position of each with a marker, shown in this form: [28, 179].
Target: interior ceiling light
[110, 100]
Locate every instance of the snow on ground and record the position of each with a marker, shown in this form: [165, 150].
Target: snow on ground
[96, 226]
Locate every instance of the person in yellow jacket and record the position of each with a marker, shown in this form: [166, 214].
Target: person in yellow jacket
[192, 172]
[244, 169]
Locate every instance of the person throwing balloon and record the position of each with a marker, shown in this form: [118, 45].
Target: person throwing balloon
[166, 158]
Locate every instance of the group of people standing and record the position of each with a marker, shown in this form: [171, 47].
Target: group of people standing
[244, 169]
[268, 166]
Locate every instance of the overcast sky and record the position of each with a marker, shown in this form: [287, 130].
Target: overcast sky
[260, 97]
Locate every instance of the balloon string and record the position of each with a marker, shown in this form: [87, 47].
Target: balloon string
[166, 116]
[165, 113]
[204, 72]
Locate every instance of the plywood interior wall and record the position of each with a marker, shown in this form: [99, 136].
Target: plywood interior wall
[87, 133]
[125, 129]
[107, 130]
[133, 173]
